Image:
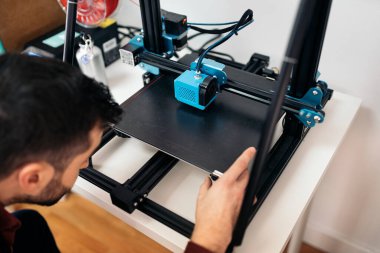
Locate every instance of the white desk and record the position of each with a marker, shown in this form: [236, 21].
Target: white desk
[274, 223]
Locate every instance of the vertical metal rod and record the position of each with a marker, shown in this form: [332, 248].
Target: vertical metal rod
[301, 24]
[152, 25]
[71, 17]
[304, 74]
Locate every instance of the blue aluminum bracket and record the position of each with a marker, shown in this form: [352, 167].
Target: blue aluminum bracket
[313, 97]
[309, 118]
[168, 44]
[212, 68]
[149, 68]
[138, 41]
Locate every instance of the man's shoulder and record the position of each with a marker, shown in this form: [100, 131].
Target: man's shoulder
[8, 226]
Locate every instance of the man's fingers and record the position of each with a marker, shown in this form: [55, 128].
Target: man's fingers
[204, 187]
[240, 165]
[243, 178]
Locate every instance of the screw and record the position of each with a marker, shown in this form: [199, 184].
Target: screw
[145, 195]
[138, 39]
[315, 92]
[317, 119]
[198, 76]
[308, 122]
[308, 115]
[135, 204]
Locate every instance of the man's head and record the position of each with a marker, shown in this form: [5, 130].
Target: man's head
[51, 119]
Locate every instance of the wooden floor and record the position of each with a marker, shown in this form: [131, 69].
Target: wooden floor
[80, 226]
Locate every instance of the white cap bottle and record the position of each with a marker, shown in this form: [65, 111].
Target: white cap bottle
[90, 60]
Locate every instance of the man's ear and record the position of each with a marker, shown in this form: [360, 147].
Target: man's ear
[34, 177]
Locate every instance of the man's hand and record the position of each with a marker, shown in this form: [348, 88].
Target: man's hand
[219, 204]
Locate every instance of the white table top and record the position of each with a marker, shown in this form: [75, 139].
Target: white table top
[273, 224]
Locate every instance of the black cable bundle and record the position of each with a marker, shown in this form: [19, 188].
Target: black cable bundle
[245, 20]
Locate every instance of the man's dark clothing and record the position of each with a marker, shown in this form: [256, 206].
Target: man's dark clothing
[8, 226]
[195, 248]
[25, 231]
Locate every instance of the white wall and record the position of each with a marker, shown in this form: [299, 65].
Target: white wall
[346, 211]
[345, 216]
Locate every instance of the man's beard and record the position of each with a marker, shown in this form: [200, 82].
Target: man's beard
[52, 193]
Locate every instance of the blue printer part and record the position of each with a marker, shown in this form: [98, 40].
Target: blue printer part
[199, 89]
[212, 68]
[174, 31]
[137, 41]
[171, 43]
[192, 88]
[309, 118]
[129, 53]
[168, 45]
[174, 37]
[313, 97]
[195, 89]
[149, 68]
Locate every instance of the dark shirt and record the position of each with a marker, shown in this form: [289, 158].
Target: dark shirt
[195, 248]
[8, 226]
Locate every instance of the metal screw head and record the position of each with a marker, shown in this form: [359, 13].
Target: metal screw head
[145, 195]
[308, 115]
[135, 204]
[308, 122]
[315, 92]
[138, 39]
[198, 75]
[317, 118]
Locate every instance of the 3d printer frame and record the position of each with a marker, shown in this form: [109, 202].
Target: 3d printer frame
[133, 194]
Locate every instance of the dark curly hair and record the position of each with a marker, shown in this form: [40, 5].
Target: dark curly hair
[47, 109]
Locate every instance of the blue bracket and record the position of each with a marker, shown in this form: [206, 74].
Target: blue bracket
[212, 68]
[149, 68]
[313, 97]
[309, 118]
[168, 45]
[138, 41]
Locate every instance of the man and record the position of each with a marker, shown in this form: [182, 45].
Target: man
[51, 120]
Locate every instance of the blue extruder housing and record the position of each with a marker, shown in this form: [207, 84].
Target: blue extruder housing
[199, 89]
[188, 89]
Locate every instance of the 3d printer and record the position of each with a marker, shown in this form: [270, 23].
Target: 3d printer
[205, 111]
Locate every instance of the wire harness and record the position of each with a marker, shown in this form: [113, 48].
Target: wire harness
[245, 20]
